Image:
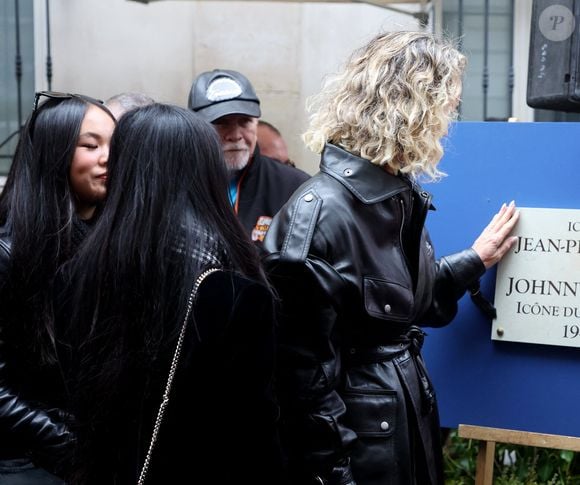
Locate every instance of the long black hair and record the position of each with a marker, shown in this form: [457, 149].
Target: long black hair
[37, 210]
[166, 219]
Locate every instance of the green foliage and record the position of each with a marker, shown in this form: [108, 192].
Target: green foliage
[513, 465]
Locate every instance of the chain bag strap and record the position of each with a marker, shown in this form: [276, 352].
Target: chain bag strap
[172, 369]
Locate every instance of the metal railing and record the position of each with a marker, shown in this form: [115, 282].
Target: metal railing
[486, 12]
[18, 71]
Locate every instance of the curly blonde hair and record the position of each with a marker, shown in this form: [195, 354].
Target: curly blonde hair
[392, 103]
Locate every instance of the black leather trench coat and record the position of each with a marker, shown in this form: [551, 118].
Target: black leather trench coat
[356, 273]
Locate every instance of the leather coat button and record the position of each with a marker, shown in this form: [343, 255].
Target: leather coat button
[347, 172]
[384, 426]
[387, 308]
[308, 197]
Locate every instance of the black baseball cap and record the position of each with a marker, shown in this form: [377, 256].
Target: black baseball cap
[222, 92]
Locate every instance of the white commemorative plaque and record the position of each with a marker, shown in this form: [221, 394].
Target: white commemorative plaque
[537, 292]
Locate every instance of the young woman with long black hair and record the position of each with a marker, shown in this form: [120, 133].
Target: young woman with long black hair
[124, 295]
[56, 181]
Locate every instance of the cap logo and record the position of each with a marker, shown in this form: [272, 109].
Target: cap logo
[223, 88]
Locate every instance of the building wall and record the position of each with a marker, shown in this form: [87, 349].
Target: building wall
[103, 47]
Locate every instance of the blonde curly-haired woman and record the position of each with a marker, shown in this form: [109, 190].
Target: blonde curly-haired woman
[356, 271]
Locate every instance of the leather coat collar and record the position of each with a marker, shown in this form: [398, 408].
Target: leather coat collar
[368, 182]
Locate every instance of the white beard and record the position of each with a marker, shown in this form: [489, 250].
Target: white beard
[237, 159]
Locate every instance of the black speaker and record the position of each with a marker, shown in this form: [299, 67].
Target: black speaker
[553, 68]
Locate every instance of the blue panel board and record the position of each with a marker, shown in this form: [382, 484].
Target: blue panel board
[481, 382]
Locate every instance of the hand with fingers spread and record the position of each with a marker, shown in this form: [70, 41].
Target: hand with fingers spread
[495, 240]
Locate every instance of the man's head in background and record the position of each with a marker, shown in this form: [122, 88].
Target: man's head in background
[227, 100]
[272, 143]
[119, 104]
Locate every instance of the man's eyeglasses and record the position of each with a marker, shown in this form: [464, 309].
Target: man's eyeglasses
[57, 95]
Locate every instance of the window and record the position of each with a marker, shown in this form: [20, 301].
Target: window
[12, 15]
[490, 60]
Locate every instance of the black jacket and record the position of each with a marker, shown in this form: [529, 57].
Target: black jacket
[221, 422]
[29, 422]
[264, 187]
[356, 273]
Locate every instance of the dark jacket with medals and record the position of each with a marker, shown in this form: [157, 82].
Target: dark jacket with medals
[356, 273]
[264, 186]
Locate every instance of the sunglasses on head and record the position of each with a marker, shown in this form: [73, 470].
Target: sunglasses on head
[57, 95]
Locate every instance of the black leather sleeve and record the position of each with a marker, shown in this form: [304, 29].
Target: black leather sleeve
[454, 275]
[309, 369]
[47, 438]
[41, 431]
